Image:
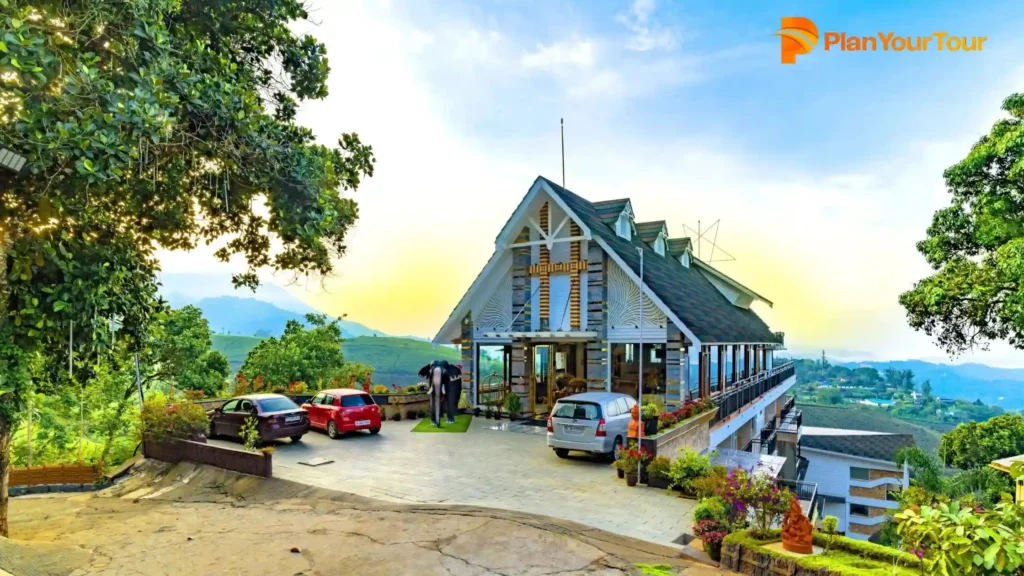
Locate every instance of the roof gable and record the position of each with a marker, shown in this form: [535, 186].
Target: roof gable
[649, 231]
[686, 292]
[676, 246]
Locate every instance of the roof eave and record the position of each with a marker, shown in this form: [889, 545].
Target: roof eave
[717, 274]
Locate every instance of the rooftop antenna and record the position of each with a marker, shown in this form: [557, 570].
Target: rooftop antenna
[709, 235]
[561, 123]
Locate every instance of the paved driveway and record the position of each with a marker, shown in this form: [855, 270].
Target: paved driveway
[485, 467]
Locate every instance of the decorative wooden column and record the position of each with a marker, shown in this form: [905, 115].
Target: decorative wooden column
[746, 361]
[521, 288]
[721, 367]
[598, 351]
[674, 393]
[468, 359]
[544, 293]
[575, 297]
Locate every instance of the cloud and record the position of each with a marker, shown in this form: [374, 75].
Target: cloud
[577, 54]
[645, 36]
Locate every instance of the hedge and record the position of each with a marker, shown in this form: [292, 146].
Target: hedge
[847, 556]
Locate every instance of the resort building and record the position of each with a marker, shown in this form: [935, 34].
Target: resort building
[856, 475]
[560, 308]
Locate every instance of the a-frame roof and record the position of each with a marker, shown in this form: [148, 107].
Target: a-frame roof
[685, 291]
[648, 231]
[676, 246]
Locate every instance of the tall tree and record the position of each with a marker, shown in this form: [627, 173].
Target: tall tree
[976, 246]
[976, 444]
[299, 355]
[152, 124]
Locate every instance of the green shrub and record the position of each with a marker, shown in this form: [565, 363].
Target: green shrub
[712, 508]
[380, 389]
[161, 421]
[849, 557]
[513, 404]
[659, 467]
[250, 433]
[649, 411]
[829, 525]
[464, 401]
[711, 483]
[688, 467]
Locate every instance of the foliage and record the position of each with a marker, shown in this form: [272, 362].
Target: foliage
[955, 539]
[872, 419]
[710, 483]
[711, 532]
[689, 409]
[655, 569]
[659, 467]
[418, 388]
[976, 246]
[687, 467]
[829, 526]
[297, 388]
[513, 404]
[756, 495]
[649, 411]
[179, 353]
[380, 389]
[984, 485]
[711, 508]
[162, 421]
[925, 470]
[250, 433]
[848, 557]
[354, 374]
[464, 401]
[630, 457]
[300, 354]
[974, 445]
[829, 396]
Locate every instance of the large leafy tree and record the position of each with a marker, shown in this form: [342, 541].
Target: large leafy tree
[179, 353]
[299, 355]
[151, 124]
[976, 246]
[976, 444]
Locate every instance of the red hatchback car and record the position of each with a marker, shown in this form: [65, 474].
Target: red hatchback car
[343, 410]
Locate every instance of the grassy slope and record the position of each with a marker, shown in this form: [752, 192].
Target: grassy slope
[395, 360]
[854, 418]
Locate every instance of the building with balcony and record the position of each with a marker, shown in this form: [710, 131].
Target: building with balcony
[856, 475]
[579, 296]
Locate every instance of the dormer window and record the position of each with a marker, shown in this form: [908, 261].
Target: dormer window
[685, 259]
[659, 245]
[623, 227]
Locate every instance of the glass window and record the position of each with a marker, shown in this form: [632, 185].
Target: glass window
[494, 369]
[317, 399]
[230, 406]
[859, 510]
[614, 409]
[356, 400]
[245, 406]
[859, 473]
[276, 404]
[577, 411]
[623, 405]
[626, 369]
[327, 400]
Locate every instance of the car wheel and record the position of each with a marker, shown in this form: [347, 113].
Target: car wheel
[332, 430]
[561, 452]
[297, 438]
[374, 430]
[617, 448]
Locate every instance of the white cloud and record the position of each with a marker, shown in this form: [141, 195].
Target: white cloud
[646, 37]
[560, 56]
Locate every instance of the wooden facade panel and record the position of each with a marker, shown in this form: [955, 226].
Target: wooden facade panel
[521, 288]
[60, 474]
[468, 357]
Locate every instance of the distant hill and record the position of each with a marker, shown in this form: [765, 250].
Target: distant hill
[855, 418]
[250, 317]
[395, 360]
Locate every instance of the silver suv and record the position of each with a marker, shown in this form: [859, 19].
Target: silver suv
[595, 422]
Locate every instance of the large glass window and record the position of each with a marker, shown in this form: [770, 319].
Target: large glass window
[494, 370]
[626, 369]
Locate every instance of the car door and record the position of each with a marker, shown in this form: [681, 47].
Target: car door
[620, 424]
[329, 409]
[239, 415]
[314, 411]
[222, 420]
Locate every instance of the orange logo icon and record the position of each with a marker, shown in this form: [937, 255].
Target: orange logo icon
[799, 35]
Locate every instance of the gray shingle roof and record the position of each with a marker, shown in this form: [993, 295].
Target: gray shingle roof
[875, 446]
[690, 296]
[648, 231]
[676, 246]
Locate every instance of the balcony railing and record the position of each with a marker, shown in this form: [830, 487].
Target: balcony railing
[735, 396]
[792, 422]
[805, 492]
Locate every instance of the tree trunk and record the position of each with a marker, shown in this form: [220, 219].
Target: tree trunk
[5, 469]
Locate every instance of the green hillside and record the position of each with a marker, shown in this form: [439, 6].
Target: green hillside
[855, 418]
[395, 360]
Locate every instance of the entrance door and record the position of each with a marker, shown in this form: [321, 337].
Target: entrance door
[541, 360]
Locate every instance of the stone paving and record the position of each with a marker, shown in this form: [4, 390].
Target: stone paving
[485, 467]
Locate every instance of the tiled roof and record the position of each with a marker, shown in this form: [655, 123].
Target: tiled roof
[609, 210]
[686, 292]
[648, 231]
[676, 246]
[875, 446]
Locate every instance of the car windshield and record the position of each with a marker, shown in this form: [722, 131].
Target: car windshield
[355, 400]
[276, 404]
[577, 411]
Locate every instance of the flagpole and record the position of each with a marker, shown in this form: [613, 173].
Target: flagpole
[640, 379]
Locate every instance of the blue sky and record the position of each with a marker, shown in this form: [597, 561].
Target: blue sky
[824, 173]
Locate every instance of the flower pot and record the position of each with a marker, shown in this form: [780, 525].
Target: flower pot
[621, 473]
[658, 481]
[714, 551]
[650, 426]
[631, 479]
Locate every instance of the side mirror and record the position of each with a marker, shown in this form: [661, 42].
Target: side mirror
[219, 410]
[304, 406]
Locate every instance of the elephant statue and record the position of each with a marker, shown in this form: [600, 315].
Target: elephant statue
[445, 381]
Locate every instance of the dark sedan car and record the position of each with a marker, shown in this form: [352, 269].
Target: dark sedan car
[277, 417]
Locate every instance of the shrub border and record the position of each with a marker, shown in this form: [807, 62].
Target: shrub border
[734, 543]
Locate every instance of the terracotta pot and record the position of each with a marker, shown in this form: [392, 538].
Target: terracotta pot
[631, 479]
[621, 473]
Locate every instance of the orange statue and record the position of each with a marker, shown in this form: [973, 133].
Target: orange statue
[796, 531]
[635, 426]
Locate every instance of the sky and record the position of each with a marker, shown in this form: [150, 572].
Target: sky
[824, 174]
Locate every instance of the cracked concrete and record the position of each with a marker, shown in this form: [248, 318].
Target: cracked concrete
[223, 523]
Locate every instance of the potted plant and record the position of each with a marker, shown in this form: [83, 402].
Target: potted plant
[464, 405]
[476, 411]
[514, 405]
[620, 471]
[711, 534]
[649, 415]
[490, 412]
[631, 457]
[658, 472]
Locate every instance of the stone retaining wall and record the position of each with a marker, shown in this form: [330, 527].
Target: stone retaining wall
[174, 451]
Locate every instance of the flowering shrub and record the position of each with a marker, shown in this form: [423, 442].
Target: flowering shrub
[710, 483]
[297, 388]
[161, 421]
[688, 467]
[711, 532]
[754, 496]
[630, 458]
[688, 410]
[712, 508]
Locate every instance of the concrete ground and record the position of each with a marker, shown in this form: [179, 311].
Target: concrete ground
[188, 519]
[484, 467]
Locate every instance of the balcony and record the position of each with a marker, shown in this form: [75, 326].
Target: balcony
[806, 493]
[734, 397]
[791, 422]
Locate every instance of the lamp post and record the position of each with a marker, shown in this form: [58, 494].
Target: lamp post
[640, 379]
